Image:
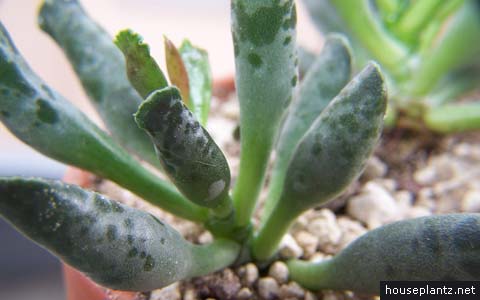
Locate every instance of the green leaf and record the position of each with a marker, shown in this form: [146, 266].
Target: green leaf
[458, 46]
[434, 248]
[100, 67]
[188, 154]
[391, 10]
[416, 18]
[200, 80]
[326, 77]
[306, 58]
[362, 23]
[46, 121]
[117, 246]
[176, 70]
[333, 151]
[266, 74]
[451, 118]
[328, 20]
[455, 85]
[142, 69]
[330, 155]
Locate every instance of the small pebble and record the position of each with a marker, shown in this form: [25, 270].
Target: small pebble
[471, 201]
[351, 230]
[205, 238]
[244, 294]
[289, 248]
[324, 226]
[171, 292]
[417, 212]
[375, 206]
[279, 272]
[387, 183]
[190, 294]
[310, 296]
[374, 168]
[307, 241]
[268, 288]
[248, 274]
[291, 290]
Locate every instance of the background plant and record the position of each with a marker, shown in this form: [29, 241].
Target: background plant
[429, 49]
[322, 134]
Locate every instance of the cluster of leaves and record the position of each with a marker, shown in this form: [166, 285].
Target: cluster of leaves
[429, 49]
[322, 131]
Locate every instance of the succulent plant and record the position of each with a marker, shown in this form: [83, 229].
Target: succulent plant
[322, 130]
[429, 49]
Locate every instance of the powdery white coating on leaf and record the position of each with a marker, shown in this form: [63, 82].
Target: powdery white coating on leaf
[215, 189]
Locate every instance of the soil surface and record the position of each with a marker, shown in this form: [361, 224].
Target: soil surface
[410, 175]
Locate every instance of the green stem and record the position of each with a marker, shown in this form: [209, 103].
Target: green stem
[363, 24]
[313, 276]
[275, 189]
[458, 46]
[250, 180]
[387, 7]
[156, 191]
[213, 257]
[415, 18]
[454, 86]
[429, 35]
[454, 117]
[265, 244]
[224, 209]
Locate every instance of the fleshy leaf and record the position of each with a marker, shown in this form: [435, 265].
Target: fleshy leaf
[200, 80]
[333, 151]
[266, 74]
[327, 20]
[455, 85]
[458, 46]
[100, 67]
[188, 154]
[455, 117]
[176, 71]
[117, 246]
[306, 58]
[330, 155]
[46, 121]
[361, 21]
[434, 248]
[142, 69]
[327, 76]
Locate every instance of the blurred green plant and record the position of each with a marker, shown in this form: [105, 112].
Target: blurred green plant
[322, 135]
[429, 49]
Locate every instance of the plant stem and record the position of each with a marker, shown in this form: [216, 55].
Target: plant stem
[457, 46]
[269, 236]
[363, 24]
[313, 276]
[250, 180]
[131, 176]
[215, 256]
[224, 209]
[415, 18]
[454, 117]
[456, 84]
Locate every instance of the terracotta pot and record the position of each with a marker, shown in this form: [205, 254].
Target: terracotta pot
[77, 285]
[223, 87]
